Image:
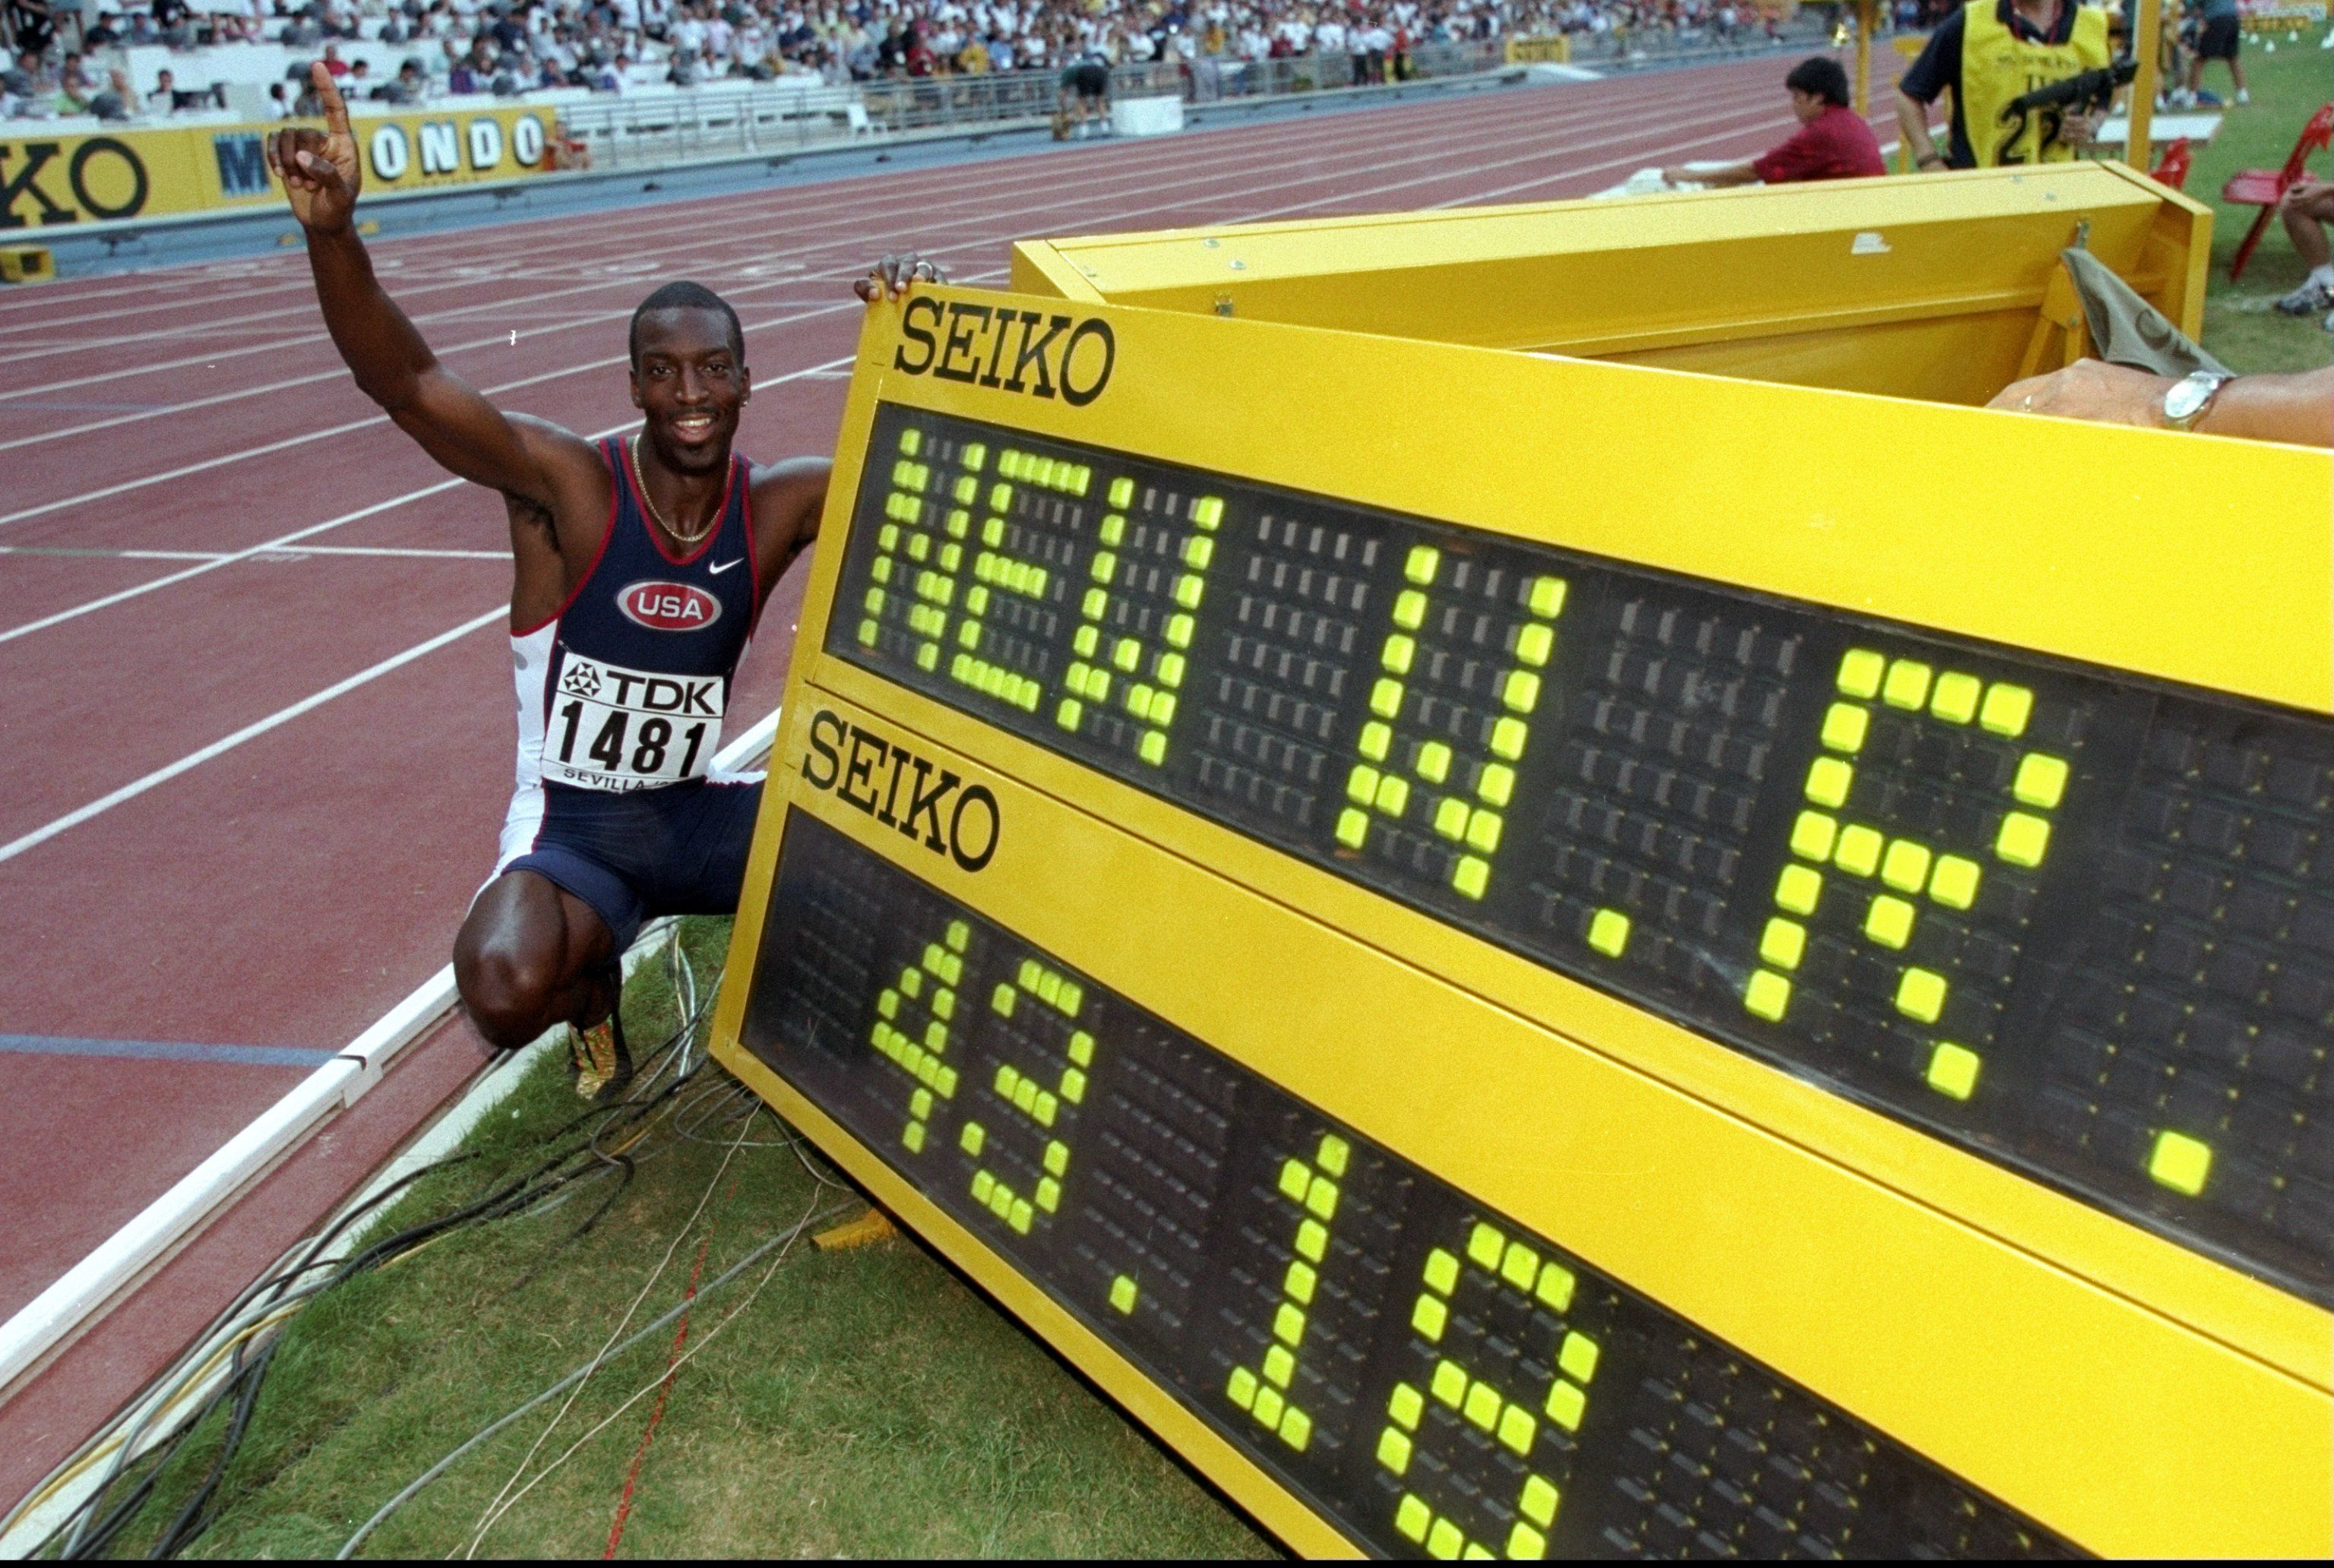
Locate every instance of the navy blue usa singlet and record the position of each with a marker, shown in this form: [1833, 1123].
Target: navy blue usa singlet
[621, 697]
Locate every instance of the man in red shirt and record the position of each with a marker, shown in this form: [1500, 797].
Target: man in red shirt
[1833, 141]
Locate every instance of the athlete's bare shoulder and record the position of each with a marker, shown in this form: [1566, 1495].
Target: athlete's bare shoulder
[788, 496]
[578, 485]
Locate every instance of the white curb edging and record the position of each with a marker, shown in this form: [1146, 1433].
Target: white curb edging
[84, 1290]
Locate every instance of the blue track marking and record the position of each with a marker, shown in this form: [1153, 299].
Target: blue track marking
[166, 1050]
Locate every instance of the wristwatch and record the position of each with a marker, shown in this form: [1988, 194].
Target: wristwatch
[2185, 400]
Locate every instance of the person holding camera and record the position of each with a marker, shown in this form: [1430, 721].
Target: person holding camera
[1989, 54]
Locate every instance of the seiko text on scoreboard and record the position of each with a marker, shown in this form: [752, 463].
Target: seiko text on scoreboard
[1541, 958]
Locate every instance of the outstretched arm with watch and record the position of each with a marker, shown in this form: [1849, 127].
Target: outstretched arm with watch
[2297, 408]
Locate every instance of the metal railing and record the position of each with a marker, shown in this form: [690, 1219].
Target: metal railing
[943, 102]
[1644, 48]
[716, 119]
[720, 120]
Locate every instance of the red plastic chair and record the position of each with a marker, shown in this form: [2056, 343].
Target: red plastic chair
[2174, 171]
[2265, 187]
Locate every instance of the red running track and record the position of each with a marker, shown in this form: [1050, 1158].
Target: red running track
[204, 524]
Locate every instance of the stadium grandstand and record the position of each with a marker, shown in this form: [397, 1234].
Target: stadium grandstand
[251, 56]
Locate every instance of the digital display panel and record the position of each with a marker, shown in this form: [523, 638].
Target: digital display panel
[2078, 921]
[1428, 1374]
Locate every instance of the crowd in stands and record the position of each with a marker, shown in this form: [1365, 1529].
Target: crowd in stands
[476, 46]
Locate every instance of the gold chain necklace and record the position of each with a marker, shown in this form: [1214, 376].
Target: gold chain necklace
[642, 486]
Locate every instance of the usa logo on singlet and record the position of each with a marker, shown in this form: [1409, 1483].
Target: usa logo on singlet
[668, 606]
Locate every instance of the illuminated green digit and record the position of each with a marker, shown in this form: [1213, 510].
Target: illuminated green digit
[1035, 993]
[921, 549]
[1263, 1390]
[995, 569]
[904, 509]
[1887, 882]
[1418, 780]
[915, 1019]
[1515, 1424]
[1115, 666]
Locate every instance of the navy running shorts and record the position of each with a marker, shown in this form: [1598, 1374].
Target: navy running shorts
[635, 856]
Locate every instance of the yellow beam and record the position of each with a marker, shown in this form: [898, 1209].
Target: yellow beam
[1866, 19]
[1858, 285]
[2146, 48]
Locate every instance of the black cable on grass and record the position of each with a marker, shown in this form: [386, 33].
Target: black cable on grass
[243, 1384]
[193, 1518]
[503, 1198]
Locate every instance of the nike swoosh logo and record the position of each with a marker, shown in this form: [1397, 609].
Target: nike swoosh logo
[716, 567]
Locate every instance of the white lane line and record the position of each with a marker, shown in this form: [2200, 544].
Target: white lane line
[281, 539]
[1735, 132]
[1743, 119]
[896, 187]
[1539, 134]
[85, 1290]
[281, 717]
[743, 220]
[66, 550]
[1533, 138]
[847, 212]
[74, 612]
[389, 550]
[261, 553]
[736, 228]
[893, 191]
[329, 431]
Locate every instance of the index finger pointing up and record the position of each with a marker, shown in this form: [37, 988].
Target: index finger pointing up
[328, 92]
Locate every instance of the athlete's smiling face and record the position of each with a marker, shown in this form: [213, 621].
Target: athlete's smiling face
[689, 380]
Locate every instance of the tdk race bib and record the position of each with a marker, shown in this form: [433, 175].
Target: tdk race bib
[612, 728]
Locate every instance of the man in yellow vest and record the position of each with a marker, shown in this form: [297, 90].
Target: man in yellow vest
[1987, 54]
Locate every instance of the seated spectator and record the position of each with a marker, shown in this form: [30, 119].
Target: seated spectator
[76, 88]
[174, 21]
[1833, 141]
[475, 72]
[2307, 208]
[279, 101]
[20, 83]
[107, 33]
[114, 103]
[333, 62]
[164, 98]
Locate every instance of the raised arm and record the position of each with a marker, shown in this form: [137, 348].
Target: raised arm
[453, 422]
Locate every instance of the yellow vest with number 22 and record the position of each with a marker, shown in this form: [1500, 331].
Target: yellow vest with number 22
[1998, 66]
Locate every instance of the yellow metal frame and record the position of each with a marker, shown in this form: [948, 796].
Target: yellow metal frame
[1926, 287]
[2124, 1390]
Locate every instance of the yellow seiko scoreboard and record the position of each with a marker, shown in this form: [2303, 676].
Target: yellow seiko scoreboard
[1530, 958]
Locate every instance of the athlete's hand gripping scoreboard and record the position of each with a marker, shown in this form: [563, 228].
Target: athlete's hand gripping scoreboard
[1511, 991]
